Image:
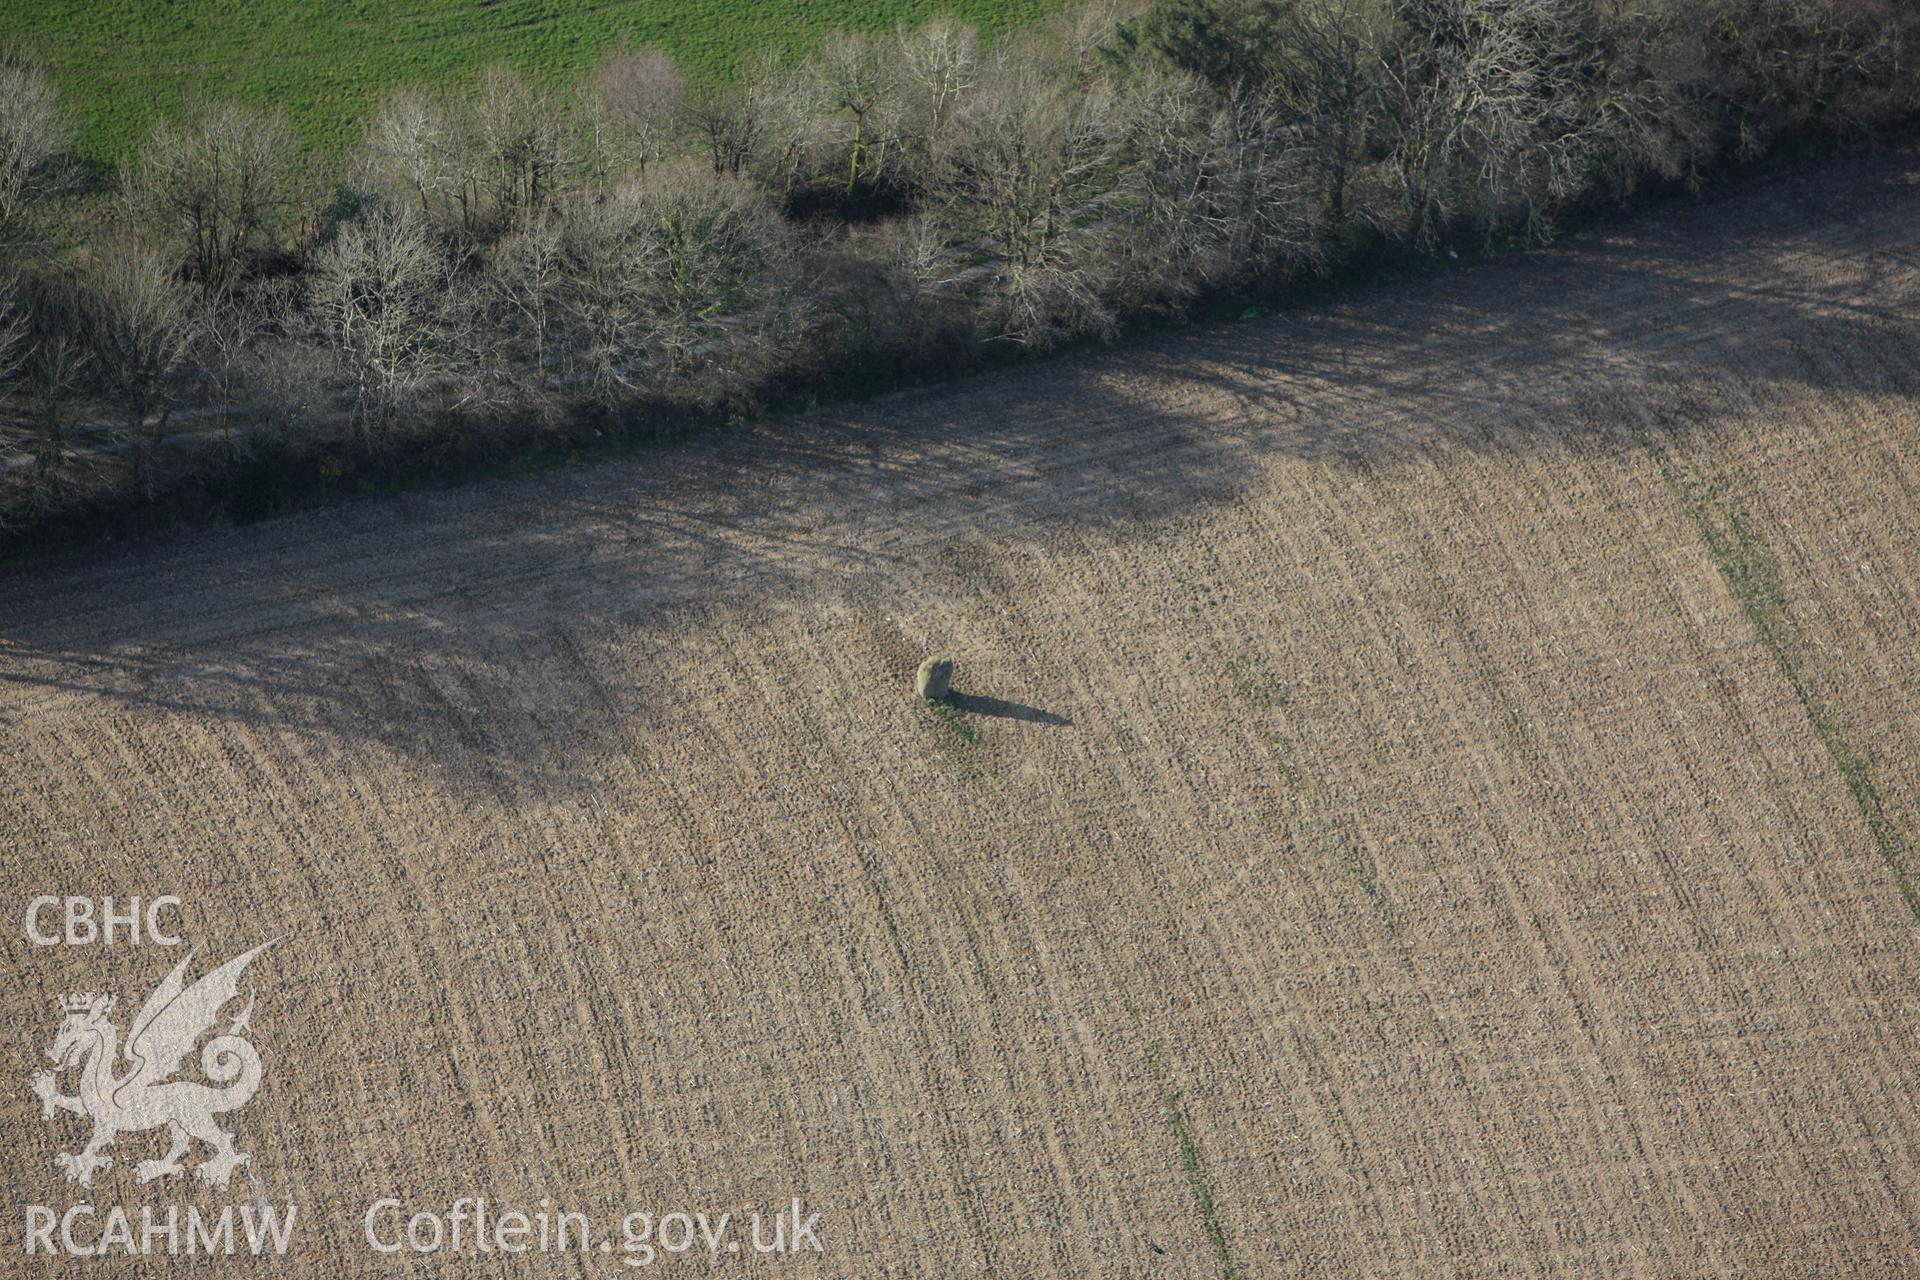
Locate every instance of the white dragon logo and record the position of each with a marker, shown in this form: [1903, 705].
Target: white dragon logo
[170, 1023]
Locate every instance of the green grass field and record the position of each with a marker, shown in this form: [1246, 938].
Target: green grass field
[122, 63]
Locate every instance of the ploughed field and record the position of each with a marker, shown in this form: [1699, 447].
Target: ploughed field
[1434, 792]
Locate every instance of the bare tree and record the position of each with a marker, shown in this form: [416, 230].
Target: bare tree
[1155, 234]
[485, 161]
[58, 368]
[797, 128]
[677, 282]
[1219, 191]
[292, 384]
[1650, 96]
[218, 187]
[633, 102]
[430, 154]
[133, 318]
[1800, 65]
[602, 272]
[1258, 194]
[15, 347]
[226, 327]
[527, 280]
[1325, 74]
[856, 81]
[939, 63]
[43, 375]
[33, 138]
[409, 155]
[729, 120]
[1489, 102]
[1076, 40]
[1031, 184]
[1190, 189]
[379, 293]
[522, 139]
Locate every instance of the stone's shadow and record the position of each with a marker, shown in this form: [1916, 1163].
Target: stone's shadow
[1005, 710]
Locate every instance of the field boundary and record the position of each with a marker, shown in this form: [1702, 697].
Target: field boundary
[1752, 575]
[1199, 1183]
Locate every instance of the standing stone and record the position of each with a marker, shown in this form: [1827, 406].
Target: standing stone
[936, 679]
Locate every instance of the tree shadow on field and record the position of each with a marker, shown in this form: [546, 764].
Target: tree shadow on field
[1001, 708]
[453, 627]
